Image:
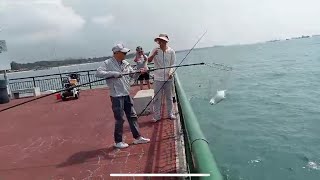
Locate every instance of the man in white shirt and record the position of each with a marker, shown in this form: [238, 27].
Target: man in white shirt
[119, 87]
[163, 56]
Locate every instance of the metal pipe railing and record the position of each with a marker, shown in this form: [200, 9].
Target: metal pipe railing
[54, 81]
[202, 159]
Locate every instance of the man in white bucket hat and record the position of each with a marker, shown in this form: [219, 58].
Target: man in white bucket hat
[163, 56]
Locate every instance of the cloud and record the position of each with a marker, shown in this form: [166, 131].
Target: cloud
[35, 21]
[103, 20]
[33, 28]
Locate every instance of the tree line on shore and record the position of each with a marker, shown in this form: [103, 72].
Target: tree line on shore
[49, 64]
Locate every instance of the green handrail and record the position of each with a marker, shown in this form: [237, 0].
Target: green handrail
[203, 159]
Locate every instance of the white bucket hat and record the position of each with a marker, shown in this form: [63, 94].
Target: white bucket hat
[162, 36]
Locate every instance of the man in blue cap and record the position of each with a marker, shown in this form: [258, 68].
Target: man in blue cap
[119, 88]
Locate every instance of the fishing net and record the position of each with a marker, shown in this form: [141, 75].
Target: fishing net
[219, 84]
[209, 82]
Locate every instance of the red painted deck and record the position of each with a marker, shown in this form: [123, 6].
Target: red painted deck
[49, 139]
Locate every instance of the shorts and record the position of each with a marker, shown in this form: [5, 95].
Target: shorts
[144, 76]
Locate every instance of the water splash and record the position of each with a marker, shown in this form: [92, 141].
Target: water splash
[255, 162]
[313, 165]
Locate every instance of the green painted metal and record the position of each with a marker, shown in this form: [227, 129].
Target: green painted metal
[203, 159]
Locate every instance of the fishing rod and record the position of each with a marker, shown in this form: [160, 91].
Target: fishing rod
[194, 64]
[154, 69]
[90, 82]
[172, 73]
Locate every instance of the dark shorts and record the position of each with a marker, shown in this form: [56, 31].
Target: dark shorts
[144, 76]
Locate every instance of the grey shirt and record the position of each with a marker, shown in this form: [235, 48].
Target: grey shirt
[112, 68]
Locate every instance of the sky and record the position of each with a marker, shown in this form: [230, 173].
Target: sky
[57, 29]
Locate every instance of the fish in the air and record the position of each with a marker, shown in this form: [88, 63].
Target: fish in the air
[221, 95]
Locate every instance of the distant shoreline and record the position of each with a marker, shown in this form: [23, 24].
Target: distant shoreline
[41, 65]
[287, 39]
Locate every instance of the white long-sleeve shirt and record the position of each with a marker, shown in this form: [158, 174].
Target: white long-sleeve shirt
[111, 68]
[163, 59]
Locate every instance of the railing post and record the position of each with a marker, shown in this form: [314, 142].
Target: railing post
[89, 79]
[34, 82]
[61, 80]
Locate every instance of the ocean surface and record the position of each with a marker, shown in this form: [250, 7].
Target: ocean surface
[268, 127]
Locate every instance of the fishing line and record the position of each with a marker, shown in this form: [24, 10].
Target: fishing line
[219, 66]
[215, 84]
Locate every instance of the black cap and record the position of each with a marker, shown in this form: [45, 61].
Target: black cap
[139, 48]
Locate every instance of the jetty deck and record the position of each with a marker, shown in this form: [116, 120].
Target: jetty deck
[51, 139]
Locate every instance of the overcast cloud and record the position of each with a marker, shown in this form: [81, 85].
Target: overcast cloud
[54, 29]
